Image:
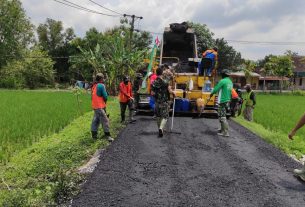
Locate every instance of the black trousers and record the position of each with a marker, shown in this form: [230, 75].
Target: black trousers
[123, 109]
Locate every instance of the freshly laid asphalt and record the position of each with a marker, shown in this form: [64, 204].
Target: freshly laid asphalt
[194, 168]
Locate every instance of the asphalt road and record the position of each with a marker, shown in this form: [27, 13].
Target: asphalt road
[194, 168]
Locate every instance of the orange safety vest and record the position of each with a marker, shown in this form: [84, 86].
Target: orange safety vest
[234, 94]
[125, 89]
[98, 102]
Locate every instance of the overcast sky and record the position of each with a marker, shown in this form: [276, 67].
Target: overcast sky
[241, 20]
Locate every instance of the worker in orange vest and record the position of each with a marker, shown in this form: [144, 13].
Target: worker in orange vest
[99, 98]
[126, 99]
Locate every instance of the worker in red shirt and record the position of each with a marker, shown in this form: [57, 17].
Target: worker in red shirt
[126, 99]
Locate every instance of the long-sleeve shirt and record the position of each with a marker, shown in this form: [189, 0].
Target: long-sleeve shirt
[101, 91]
[125, 92]
[224, 89]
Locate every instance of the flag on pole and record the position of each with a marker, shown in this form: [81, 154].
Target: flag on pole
[157, 41]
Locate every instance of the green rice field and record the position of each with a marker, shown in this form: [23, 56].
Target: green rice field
[27, 116]
[279, 113]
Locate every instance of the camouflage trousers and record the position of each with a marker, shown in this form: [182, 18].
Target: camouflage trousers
[222, 110]
[248, 113]
[162, 110]
[162, 113]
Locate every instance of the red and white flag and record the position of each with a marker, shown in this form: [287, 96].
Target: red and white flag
[157, 41]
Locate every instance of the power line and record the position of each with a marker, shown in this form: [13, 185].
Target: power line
[76, 6]
[266, 43]
[105, 7]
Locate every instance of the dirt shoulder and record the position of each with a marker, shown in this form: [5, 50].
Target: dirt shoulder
[194, 168]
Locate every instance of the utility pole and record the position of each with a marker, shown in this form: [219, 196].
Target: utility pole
[133, 17]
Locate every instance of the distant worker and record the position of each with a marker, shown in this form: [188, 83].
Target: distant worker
[161, 91]
[234, 102]
[126, 99]
[136, 88]
[99, 98]
[209, 61]
[152, 77]
[301, 123]
[250, 102]
[224, 90]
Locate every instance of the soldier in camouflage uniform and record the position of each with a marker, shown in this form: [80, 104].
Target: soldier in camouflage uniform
[161, 92]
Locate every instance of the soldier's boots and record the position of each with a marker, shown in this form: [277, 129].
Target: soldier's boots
[161, 127]
[300, 173]
[224, 131]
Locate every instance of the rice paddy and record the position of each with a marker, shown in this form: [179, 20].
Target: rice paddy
[27, 116]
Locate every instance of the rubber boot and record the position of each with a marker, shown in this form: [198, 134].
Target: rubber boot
[108, 136]
[300, 173]
[219, 130]
[158, 121]
[162, 125]
[131, 119]
[224, 127]
[94, 134]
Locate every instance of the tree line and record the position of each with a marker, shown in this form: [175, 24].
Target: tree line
[38, 57]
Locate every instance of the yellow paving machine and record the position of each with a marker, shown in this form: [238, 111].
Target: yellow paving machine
[192, 86]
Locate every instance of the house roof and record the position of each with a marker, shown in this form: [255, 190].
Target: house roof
[273, 78]
[242, 74]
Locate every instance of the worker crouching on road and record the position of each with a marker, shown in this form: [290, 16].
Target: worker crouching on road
[126, 99]
[224, 90]
[250, 102]
[99, 98]
[161, 92]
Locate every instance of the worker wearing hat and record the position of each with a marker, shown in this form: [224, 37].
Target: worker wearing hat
[126, 99]
[99, 99]
[250, 102]
[224, 90]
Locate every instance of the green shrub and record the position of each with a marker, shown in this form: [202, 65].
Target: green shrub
[36, 70]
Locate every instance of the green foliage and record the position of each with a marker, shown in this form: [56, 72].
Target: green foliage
[111, 57]
[27, 116]
[228, 57]
[248, 67]
[274, 117]
[56, 41]
[36, 70]
[281, 66]
[204, 36]
[16, 31]
[45, 174]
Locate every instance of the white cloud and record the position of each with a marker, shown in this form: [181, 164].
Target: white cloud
[254, 20]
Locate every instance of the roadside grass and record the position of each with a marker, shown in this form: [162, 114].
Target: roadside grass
[276, 138]
[27, 116]
[45, 174]
[274, 117]
[279, 113]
